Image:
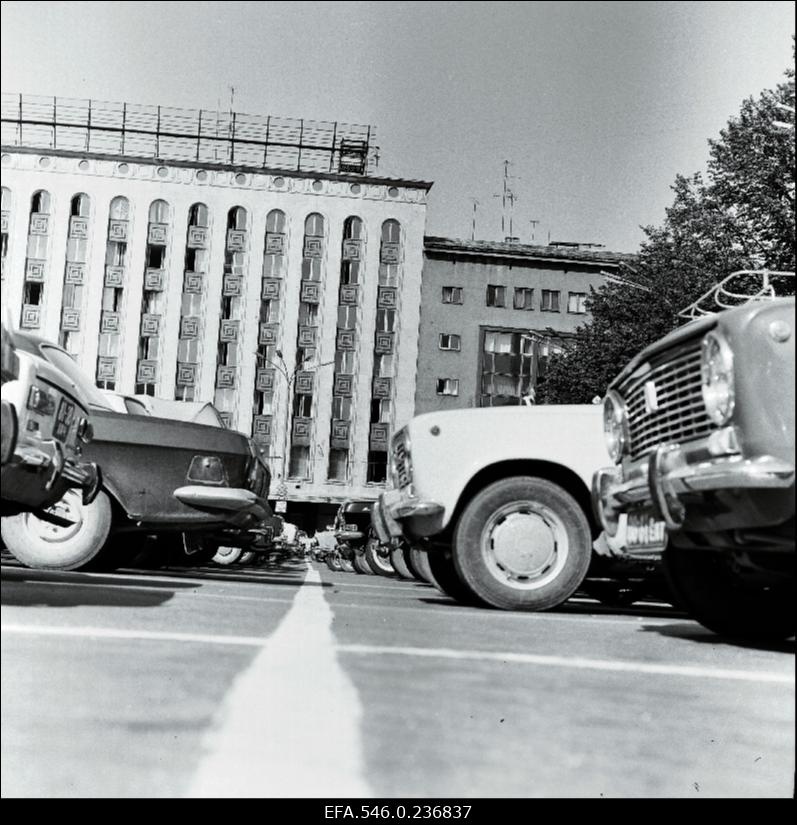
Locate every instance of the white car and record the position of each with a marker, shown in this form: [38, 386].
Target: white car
[500, 501]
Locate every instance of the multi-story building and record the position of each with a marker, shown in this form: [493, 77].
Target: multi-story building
[259, 263]
[492, 312]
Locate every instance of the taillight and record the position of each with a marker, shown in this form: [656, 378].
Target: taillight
[85, 432]
[41, 401]
[207, 469]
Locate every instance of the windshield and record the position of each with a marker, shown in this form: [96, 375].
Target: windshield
[58, 358]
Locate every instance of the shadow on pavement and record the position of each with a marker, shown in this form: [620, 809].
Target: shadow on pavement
[701, 635]
[38, 591]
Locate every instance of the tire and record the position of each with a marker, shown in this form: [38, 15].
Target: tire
[226, 556]
[522, 543]
[246, 557]
[447, 580]
[419, 564]
[704, 583]
[400, 563]
[380, 564]
[361, 565]
[333, 562]
[346, 566]
[82, 546]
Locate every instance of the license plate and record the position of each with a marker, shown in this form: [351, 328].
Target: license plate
[64, 419]
[643, 532]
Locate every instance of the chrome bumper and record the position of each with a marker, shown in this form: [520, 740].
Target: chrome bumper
[47, 457]
[238, 507]
[672, 471]
[395, 505]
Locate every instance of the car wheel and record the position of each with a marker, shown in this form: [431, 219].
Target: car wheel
[721, 600]
[246, 557]
[446, 578]
[400, 563]
[225, 556]
[82, 545]
[376, 561]
[522, 543]
[346, 566]
[333, 562]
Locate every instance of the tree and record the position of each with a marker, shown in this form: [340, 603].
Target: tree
[740, 217]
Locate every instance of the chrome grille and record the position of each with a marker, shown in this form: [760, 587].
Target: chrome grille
[401, 465]
[681, 414]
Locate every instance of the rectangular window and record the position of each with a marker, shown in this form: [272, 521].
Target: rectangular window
[452, 294]
[377, 467]
[496, 295]
[577, 302]
[338, 465]
[448, 386]
[524, 298]
[550, 300]
[449, 341]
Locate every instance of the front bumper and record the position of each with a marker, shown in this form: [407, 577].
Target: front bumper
[660, 481]
[39, 472]
[399, 514]
[236, 506]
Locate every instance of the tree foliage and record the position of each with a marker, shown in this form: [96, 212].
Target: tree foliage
[741, 216]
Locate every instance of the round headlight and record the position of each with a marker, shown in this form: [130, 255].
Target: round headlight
[716, 369]
[615, 425]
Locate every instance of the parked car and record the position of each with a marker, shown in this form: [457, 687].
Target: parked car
[499, 499]
[700, 426]
[193, 485]
[45, 429]
[353, 531]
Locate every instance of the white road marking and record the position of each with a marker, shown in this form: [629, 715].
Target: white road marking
[291, 718]
[573, 662]
[307, 634]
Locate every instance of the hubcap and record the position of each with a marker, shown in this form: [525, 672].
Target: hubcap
[70, 507]
[524, 545]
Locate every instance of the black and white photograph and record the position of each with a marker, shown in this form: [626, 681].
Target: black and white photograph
[398, 403]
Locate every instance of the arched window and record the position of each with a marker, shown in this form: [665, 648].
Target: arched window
[36, 261]
[228, 356]
[113, 293]
[4, 232]
[382, 384]
[74, 272]
[153, 297]
[311, 289]
[274, 268]
[351, 276]
[195, 269]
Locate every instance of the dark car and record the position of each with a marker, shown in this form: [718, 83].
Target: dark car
[701, 427]
[45, 428]
[197, 486]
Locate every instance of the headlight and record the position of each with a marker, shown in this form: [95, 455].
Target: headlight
[615, 425]
[716, 368]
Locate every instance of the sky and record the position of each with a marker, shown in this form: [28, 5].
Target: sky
[597, 106]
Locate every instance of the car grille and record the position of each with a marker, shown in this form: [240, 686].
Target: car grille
[681, 414]
[400, 461]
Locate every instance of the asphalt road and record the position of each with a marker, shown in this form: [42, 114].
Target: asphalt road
[296, 682]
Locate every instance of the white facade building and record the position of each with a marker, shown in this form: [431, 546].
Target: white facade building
[288, 297]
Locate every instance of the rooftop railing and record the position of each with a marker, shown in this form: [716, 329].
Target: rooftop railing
[193, 135]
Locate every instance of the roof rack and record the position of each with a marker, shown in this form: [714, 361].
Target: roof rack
[740, 288]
